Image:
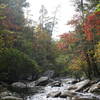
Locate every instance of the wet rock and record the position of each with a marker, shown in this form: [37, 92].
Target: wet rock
[18, 85]
[86, 89]
[56, 84]
[64, 94]
[79, 86]
[10, 98]
[82, 84]
[42, 81]
[95, 88]
[6, 93]
[54, 94]
[72, 87]
[84, 98]
[31, 84]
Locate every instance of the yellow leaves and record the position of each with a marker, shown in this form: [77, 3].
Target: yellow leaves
[97, 52]
[2, 6]
[90, 52]
[74, 68]
[78, 64]
[37, 29]
[41, 34]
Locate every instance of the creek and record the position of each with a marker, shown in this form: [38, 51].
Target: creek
[42, 92]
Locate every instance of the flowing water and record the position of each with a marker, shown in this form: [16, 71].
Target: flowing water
[43, 91]
[42, 95]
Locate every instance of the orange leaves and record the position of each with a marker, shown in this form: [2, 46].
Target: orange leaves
[61, 45]
[92, 25]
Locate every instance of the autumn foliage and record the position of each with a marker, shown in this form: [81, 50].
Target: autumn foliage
[80, 44]
[9, 21]
[92, 25]
[66, 40]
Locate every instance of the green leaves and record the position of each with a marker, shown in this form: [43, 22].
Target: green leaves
[2, 17]
[6, 32]
[98, 8]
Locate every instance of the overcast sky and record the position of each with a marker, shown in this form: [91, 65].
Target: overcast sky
[65, 12]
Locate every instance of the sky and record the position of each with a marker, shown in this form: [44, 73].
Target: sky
[64, 14]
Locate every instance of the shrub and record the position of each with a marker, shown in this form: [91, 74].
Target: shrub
[15, 65]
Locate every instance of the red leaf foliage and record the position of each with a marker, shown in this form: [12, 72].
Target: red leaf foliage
[69, 37]
[92, 25]
[66, 40]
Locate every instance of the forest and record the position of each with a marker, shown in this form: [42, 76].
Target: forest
[28, 50]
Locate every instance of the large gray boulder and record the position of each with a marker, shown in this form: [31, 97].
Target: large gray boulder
[19, 85]
[95, 88]
[42, 81]
[79, 86]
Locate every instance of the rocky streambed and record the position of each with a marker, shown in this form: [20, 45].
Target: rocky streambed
[69, 89]
[58, 89]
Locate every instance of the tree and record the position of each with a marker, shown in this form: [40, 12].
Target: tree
[83, 42]
[42, 48]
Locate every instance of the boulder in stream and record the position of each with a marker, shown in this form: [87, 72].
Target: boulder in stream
[95, 88]
[18, 85]
[42, 81]
[67, 93]
[54, 94]
[79, 86]
[55, 84]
